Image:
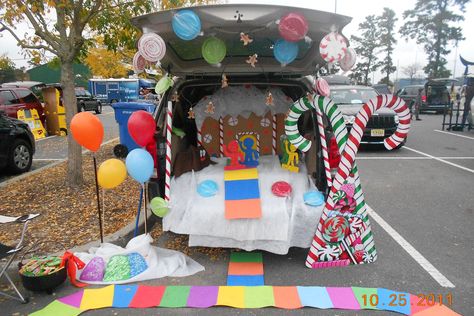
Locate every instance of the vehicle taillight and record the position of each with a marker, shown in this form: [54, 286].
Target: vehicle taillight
[334, 156]
[423, 98]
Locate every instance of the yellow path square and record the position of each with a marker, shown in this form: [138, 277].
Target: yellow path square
[97, 298]
[240, 174]
[231, 296]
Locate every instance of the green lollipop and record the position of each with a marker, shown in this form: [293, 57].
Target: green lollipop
[163, 84]
[213, 50]
[159, 207]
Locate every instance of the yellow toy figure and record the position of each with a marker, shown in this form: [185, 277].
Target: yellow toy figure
[293, 158]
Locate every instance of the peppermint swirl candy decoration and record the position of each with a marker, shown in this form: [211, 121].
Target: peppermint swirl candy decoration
[339, 195]
[328, 252]
[349, 188]
[333, 47]
[152, 47]
[335, 229]
[346, 205]
[349, 59]
[138, 63]
[356, 224]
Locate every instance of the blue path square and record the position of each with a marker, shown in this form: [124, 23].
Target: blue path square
[245, 280]
[123, 295]
[394, 301]
[242, 189]
[314, 296]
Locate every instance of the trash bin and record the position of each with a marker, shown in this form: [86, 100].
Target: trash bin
[123, 110]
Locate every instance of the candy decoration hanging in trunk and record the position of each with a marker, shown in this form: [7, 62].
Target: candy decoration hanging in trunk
[333, 47]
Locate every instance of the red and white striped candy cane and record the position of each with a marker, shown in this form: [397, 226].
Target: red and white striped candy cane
[352, 145]
[274, 135]
[221, 136]
[199, 138]
[169, 122]
[322, 135]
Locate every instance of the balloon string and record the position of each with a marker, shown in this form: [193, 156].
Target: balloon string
[145, 197]
[103, 207]
[98, 198]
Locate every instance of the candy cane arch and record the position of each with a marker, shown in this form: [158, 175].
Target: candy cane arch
[348, 147]
[169, 122]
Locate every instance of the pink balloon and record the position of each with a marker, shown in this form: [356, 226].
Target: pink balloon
[293, 27]
[141, 127]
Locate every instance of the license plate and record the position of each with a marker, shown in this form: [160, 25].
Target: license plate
[377, 133]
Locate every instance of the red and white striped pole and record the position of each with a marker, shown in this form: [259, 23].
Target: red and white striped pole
[199, 138]
[274, 135]
[221, 136]
[169, 122]
[322, 135]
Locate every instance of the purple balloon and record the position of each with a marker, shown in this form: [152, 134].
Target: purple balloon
[94, 270]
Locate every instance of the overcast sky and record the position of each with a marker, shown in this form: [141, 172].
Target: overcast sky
[405, 53]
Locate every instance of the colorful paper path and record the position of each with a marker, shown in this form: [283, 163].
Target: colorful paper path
[245, 268]
[285, 297]
[242, 194]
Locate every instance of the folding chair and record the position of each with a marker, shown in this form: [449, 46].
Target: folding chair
[7, 251]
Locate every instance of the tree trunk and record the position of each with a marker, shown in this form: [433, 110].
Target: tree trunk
[74, 163]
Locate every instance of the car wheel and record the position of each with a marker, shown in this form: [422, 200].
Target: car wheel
[98, 109]
[82, 107]
[20, 157]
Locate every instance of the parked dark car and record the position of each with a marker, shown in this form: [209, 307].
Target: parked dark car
[13, 99]
[17, 145]
[87, 102]
[434, 97]
[350, 99]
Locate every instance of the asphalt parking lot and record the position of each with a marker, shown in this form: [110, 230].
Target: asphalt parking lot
[422, 199]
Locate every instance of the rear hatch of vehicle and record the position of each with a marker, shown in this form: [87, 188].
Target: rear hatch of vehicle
[227, 22]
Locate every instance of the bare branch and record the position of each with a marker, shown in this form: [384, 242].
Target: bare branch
[22, 42]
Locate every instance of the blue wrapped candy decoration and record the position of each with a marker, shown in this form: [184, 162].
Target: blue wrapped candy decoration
[137, 264]
[207, 188]
[285, 52]
[186, 25]
[313, 198]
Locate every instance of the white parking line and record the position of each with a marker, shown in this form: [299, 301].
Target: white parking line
[48, 159]
[411, 158]
[38, 140]
[454, 134]
[440, 160]
[415, 254]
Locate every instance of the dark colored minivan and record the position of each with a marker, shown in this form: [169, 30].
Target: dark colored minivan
[435, 95]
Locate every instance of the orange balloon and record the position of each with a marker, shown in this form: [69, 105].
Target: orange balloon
[87, 130]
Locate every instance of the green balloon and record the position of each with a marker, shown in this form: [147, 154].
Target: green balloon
[163, 84]
[159, 207]
[213, 50]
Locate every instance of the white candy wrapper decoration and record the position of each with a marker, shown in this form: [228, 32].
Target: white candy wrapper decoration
[152, 47]
[138, 63]
[349, 59]
[333, 47]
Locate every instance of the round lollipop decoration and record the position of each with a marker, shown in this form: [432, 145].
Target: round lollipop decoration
[349, 59]
[285, 52]
[213, 50]
[335, 229]
[186, 25]
[322, 87]
[293, 27]
[281, 189]
[333, 47]
[152, 47]
[139, 63]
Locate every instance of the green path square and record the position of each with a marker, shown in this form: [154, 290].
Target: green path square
[243, 256]
[259, 296]
[175, 296]
[369, 291]
[58, 308]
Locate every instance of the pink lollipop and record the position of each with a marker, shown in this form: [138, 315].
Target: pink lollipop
[281, 189]
[293, 27]
[152, 47]
[349, 59]
[138, 63]
[322, 87]
[333, 47]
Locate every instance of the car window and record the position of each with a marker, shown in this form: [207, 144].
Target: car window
[27, 96]
[87, 93]
[79, 93]
[355, 96]
[7, 97]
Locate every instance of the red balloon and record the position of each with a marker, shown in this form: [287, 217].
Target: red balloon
[87, 130]
[293, 27]
[141, 127]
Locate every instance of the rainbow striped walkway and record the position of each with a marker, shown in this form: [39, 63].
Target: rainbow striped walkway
[242, 194]
[285, 297]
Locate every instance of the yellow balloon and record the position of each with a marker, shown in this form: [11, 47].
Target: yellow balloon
[112, 173]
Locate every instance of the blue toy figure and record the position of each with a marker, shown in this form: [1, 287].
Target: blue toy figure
[251, 155]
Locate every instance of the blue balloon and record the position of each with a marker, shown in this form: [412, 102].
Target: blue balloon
[313, 198]
[140, 165]
[207, 188]
[285, 52]
[186, 25]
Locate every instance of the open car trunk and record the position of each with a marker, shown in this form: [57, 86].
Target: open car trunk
[226, 22]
